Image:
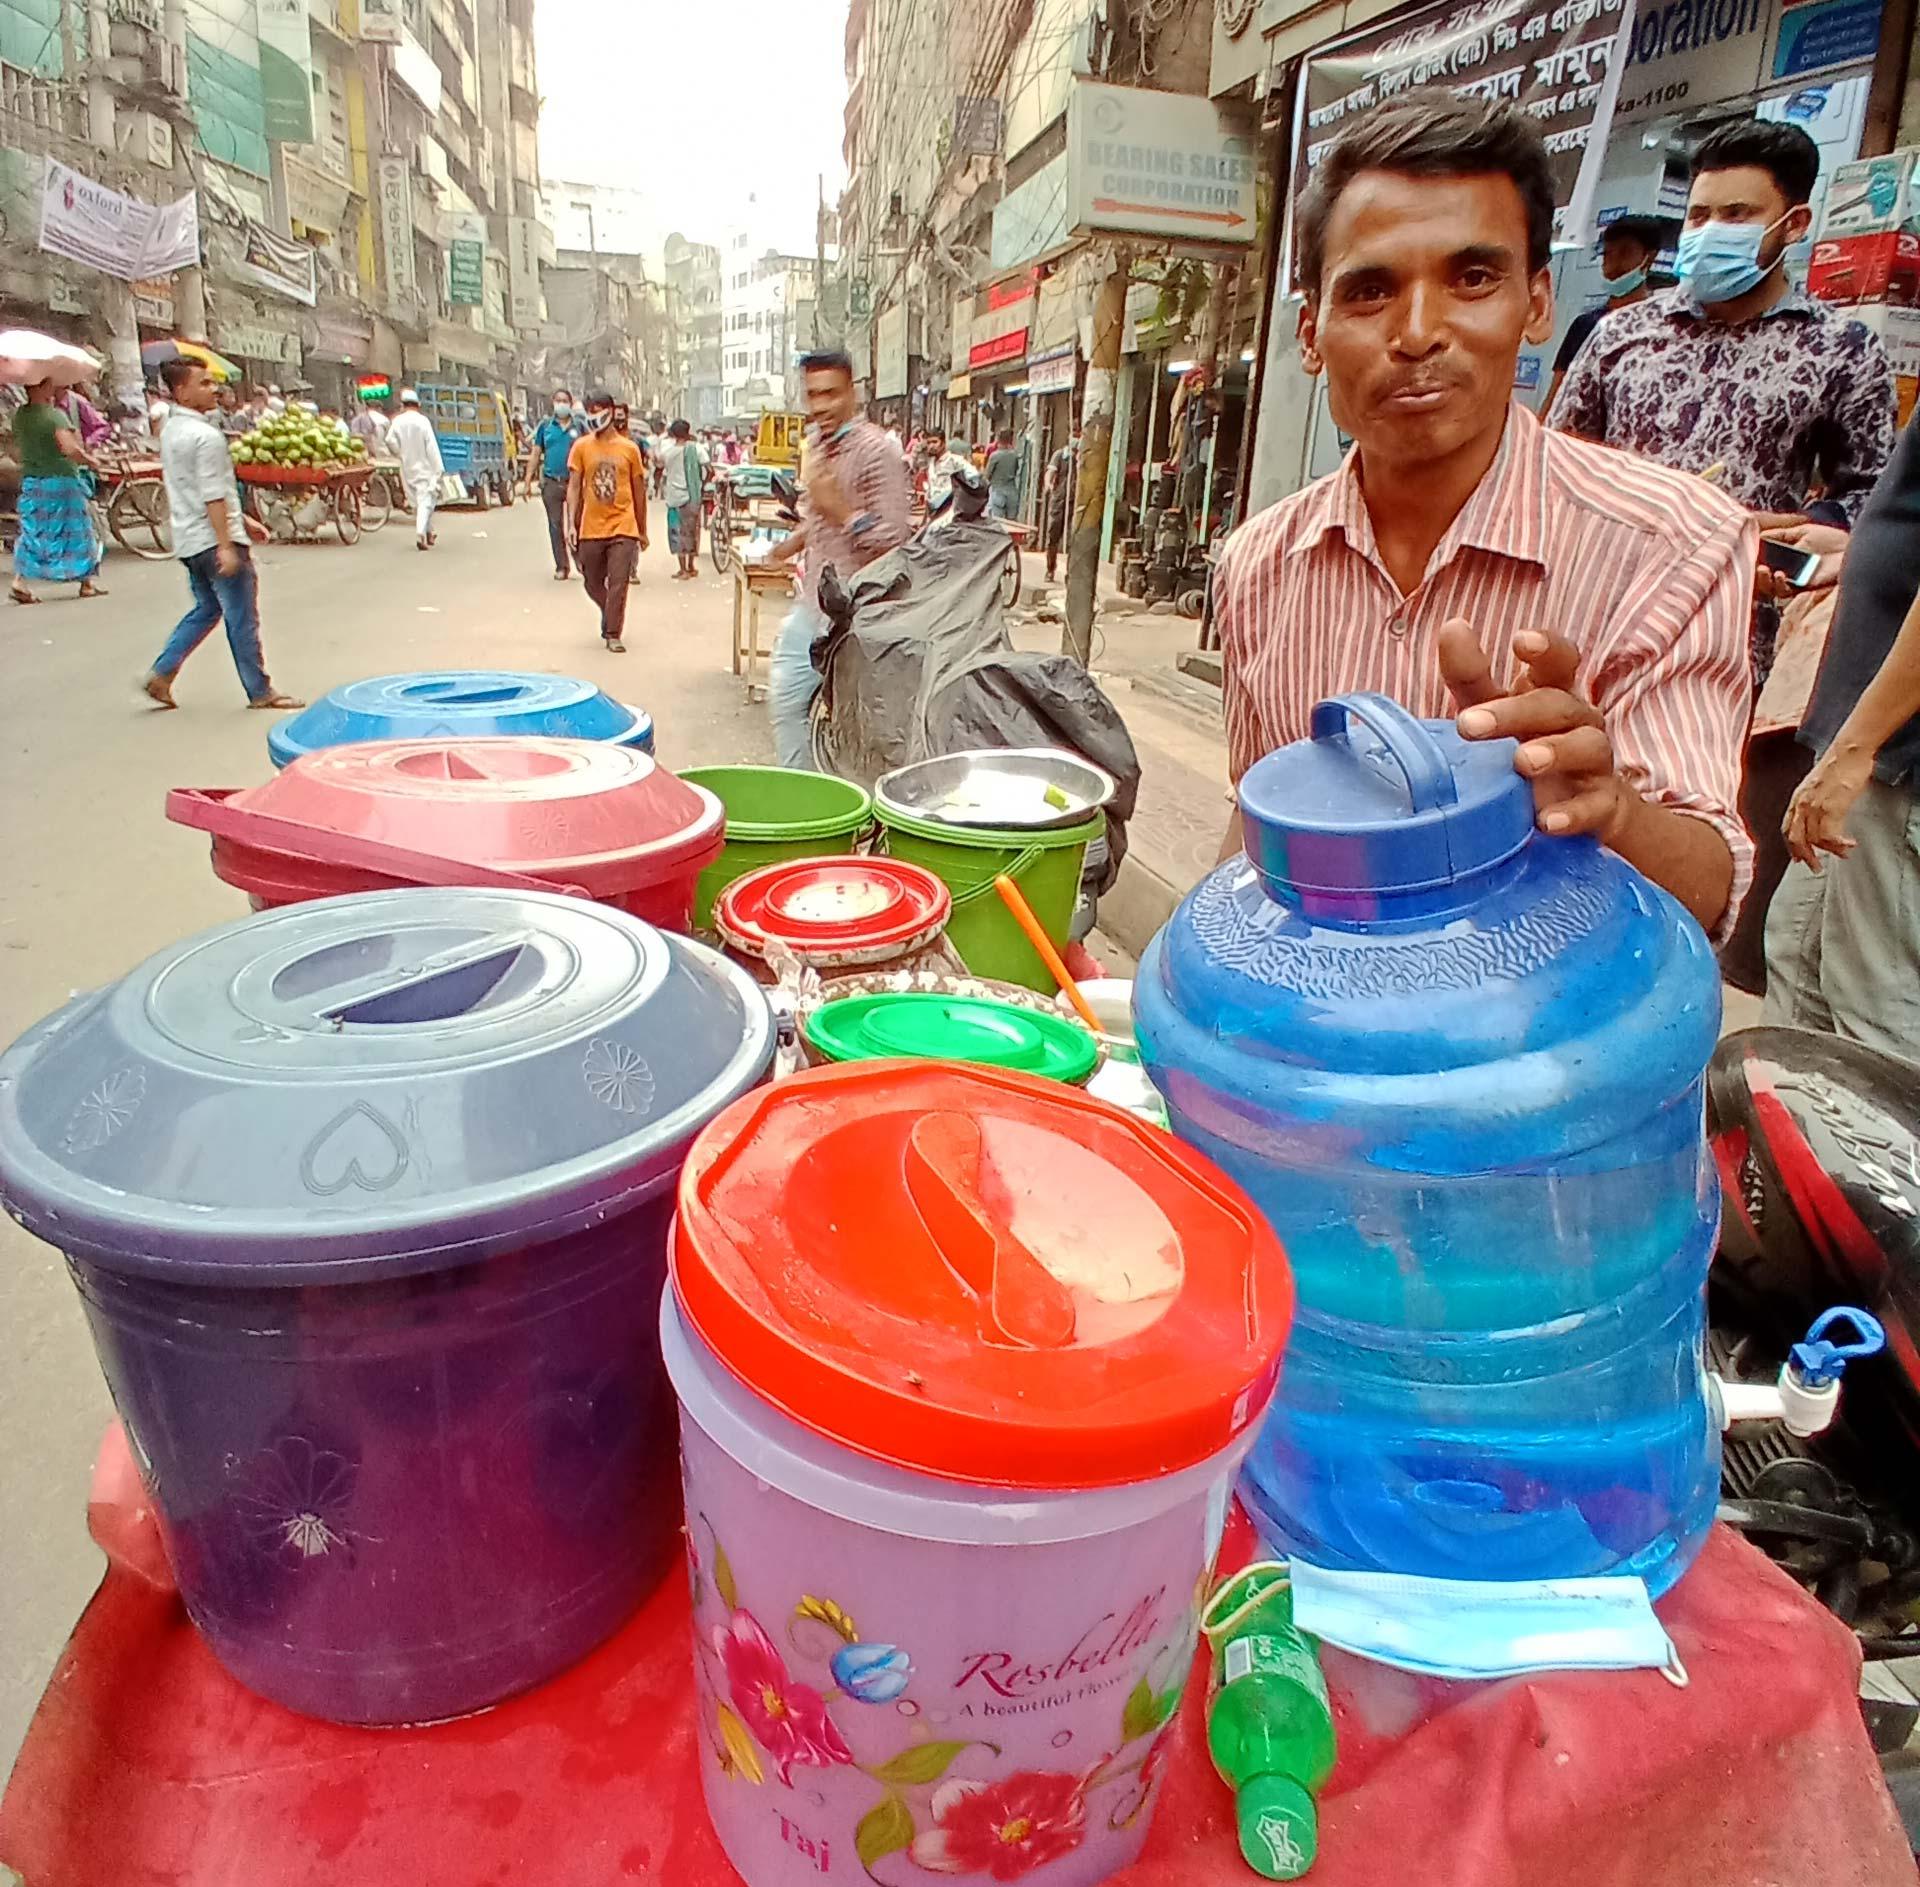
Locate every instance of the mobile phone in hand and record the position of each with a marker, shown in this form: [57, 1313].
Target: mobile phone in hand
[1787, 560]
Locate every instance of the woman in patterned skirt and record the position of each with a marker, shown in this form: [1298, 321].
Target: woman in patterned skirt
[57, 542]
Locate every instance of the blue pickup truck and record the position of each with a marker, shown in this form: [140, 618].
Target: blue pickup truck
[476, 439]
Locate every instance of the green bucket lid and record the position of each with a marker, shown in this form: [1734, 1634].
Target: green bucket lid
[952, 1028]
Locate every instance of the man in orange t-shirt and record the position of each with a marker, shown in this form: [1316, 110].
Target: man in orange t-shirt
[606, 515]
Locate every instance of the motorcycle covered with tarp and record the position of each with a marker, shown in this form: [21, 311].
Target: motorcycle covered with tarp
[917, 663]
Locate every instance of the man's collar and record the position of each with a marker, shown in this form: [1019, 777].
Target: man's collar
[1506, 512]
[1681, 303]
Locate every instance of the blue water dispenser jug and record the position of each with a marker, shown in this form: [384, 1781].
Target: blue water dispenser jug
[1460, 1066]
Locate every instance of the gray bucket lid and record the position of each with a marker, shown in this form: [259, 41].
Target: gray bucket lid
[372, 1086]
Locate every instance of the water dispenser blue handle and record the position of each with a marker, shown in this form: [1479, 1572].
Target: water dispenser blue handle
[1817, 1362]
[1422, 762]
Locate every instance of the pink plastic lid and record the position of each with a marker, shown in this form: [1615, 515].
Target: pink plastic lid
[575, 814]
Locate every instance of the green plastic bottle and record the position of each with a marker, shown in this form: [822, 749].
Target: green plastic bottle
[1269, 1726]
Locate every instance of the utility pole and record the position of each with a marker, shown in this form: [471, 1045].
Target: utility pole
[189, 285]
[1096, 442]
[819, 253]
[116, 296]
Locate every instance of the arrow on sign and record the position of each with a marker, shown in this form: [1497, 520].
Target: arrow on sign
[1231, 218]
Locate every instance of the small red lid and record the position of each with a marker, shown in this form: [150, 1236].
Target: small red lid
[834, 910]
[604, 819]
[980, 1275]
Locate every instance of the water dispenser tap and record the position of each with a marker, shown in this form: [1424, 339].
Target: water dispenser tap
[1807, 1395]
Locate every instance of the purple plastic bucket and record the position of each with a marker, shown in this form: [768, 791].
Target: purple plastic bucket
[367, 1201]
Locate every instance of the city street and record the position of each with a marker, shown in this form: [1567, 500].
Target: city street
[97, 879]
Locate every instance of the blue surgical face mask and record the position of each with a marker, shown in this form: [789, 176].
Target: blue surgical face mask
[1618, 285]
[1721, 261]
[1460, 1628]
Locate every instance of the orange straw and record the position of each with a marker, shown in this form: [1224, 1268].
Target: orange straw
[1023, 915]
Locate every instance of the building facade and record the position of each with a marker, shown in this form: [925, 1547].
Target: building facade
[767, 303]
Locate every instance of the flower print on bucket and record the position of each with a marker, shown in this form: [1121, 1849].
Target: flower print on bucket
[872, 1674]
[788, 1719]
[1005, 1829]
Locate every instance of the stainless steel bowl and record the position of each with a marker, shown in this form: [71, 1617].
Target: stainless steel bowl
[1004, 787]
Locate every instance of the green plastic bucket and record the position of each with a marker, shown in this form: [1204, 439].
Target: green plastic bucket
[773, 814]
[1044, 864]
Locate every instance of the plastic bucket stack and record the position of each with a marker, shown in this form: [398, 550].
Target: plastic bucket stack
[774, 814]
[526, 813]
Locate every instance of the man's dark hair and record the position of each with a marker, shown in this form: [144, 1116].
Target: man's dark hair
[680, 429]
[827, 360]
[1783, 151]
[1005, 435]
[175, 374]
[599, 399]
[1431, 134]
[1650, 232]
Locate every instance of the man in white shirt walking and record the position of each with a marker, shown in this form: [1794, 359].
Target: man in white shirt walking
[210, 538]
[412, 441]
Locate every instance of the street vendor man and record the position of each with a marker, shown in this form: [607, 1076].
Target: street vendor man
[1589, 603]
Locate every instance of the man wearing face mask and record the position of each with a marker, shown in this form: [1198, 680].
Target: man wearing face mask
[552, 443]
[1628, 247]
[1736, 367]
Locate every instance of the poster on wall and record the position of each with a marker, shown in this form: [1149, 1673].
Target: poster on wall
[1560, 61]
[1821, 35]
[110, 231]
[279, 263]
[286, 70]
[890, 353]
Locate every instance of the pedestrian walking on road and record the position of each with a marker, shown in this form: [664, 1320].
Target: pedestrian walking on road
[57, 542]
[606, 515]
[1003, 478]
[683, 486]
[553, 441]
[210, 537]
[623, 425]
[411, 440]
[855, 505]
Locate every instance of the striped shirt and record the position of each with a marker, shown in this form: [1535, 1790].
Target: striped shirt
[1648, 572]
[875, 482]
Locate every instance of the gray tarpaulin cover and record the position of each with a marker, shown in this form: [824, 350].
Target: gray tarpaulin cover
[918, 663]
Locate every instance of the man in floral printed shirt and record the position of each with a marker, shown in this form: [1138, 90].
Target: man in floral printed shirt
[1736, 367]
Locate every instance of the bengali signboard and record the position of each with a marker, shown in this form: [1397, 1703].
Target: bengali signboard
[395, 185]
[523, 271]
[1001, 318]
[382, 21]
[1558, 60]
[110, 231]
[467, 261]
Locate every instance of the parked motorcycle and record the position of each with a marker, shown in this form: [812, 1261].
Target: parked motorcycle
[1818, 1144]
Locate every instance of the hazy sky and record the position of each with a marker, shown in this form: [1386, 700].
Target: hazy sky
[701, 103]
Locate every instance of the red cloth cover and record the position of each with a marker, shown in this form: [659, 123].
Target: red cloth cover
[147, 1764]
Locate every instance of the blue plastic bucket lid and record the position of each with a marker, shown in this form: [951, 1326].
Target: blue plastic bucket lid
[1379, 802]
[365, 1087]
[458, 704]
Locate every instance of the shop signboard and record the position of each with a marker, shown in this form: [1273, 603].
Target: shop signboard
[255, 340]
[962, 334]
[286, 70]
[523, 272]
[1824, 35]
[1560, 61]
[280, 263]
[1053, 373]
[382, 21]
[467, 261]
[110, 231]
[396, 230]
[1001, 317]
[153, 301]
[1030, 221]
[1146, 163]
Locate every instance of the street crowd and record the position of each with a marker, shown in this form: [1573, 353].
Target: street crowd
[1687, 591]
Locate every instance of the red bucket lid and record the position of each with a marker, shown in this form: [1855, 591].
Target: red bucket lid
[834, 910]
[980, 1275]
[581, 814]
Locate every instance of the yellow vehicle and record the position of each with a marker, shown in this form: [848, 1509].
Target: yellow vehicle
[776, 441]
